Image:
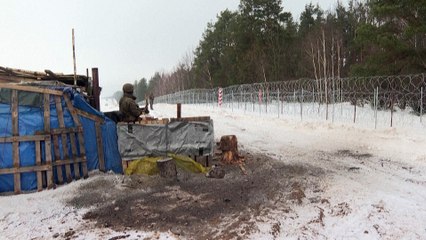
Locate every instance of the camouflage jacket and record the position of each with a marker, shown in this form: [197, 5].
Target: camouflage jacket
[129, 108]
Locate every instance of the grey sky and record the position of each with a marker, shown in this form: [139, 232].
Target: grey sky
[125, 39]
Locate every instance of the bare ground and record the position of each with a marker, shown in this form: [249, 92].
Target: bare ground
[196, 207]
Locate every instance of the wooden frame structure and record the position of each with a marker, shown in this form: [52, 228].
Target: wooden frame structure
[47, 164]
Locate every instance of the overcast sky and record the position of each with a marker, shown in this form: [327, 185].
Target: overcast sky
[125, 39]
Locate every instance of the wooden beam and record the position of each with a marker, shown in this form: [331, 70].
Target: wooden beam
[69, 161]
[65, 130]
[64, 140]
[38, 164]
[30, 89]
[192, 119]
[90, 116]
[80, 135]
[100, 147]
[20, 170]
[74, 156]
[47, 141]
[57, 155]
[15, 144]
[28, 138]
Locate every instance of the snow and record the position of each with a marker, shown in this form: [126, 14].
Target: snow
[383, 198]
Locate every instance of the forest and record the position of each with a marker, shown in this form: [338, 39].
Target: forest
[262, 42]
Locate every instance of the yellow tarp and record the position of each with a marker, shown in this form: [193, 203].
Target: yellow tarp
[148, 165]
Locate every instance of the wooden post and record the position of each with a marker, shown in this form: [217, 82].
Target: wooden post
[100, 147]
[167, 168]
[15, 144]
[96, 90]
[38, 163]
[73, 56]
[79, 134]
[65, 150]
[179, 115]
[74, 156]
[47, 142]
[57, 157]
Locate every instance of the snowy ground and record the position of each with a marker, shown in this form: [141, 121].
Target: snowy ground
[374, 186]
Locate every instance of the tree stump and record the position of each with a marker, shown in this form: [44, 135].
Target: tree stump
[167, 168]
[228, 143]
[229, 146]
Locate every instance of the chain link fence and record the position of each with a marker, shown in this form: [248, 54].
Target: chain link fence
[384, 101]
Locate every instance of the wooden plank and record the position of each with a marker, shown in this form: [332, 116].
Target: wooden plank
[38, 163]
[65, 130]
[30, 89]
[192, 119]
[74, 156]
[69, 161]
[59, 131]
[80, 135]
[65, 150]
[100, 147]
[57, 158]
[90, 116]
[72, 110]
[25, 169]
[28, 138]
[153, 121]
[47, 141]
[15, 144]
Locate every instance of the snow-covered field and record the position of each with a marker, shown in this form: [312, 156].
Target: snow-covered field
[374, 186]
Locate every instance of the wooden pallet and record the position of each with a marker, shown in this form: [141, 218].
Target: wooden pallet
[64, 160]
[150, 121]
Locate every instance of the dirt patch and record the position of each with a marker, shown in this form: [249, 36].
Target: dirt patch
[198, 207]
[356, 154]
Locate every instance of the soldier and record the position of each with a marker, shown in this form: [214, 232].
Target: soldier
[151, 101]
[129, 109]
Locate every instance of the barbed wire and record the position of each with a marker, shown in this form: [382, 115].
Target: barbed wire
[329, 98]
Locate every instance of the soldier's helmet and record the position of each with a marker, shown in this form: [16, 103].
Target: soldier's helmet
[128, 88]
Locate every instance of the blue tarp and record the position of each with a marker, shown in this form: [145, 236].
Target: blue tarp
[31, 120]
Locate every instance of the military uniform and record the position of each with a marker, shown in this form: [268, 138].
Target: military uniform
[128, 107]
[151, 101]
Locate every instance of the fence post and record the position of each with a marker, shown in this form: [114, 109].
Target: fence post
[232, 100]
[282, 105]
[341, 97]
[334, 103]
[252, 102]
[391, 110]
[421, 104]
[278, 101]
[260, 103]
[245, 102]
[241, 99]
[301, 107]
[294, 101]
[313, 99]
[355, 111]
[376, 100]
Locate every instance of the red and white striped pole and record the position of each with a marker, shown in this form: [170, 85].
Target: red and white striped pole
[219, 97]
[260, 96]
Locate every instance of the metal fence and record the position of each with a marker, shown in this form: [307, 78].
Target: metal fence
[384, 101]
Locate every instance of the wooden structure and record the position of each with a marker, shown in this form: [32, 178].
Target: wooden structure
[69, 165]
[90, 89]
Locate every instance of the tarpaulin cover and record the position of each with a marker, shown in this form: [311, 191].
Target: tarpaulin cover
[148, 165]
[31, 120]
[178, 137]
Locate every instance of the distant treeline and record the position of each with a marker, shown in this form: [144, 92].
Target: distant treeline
[261, 42]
